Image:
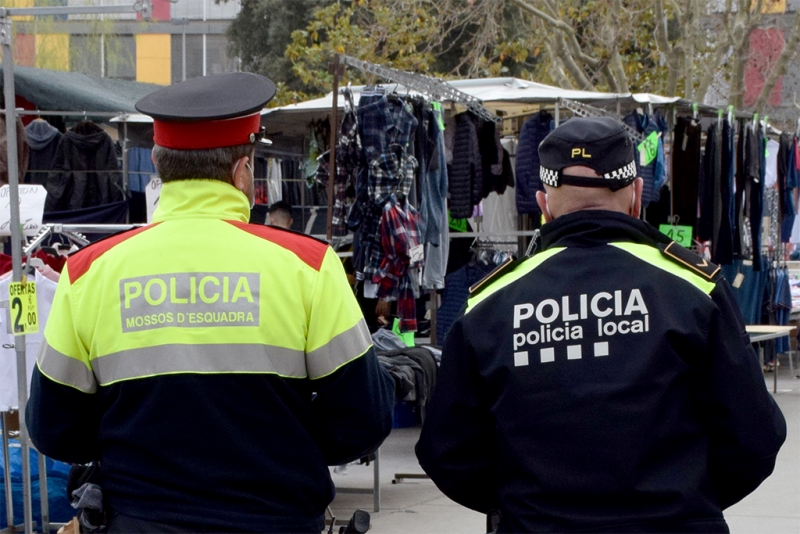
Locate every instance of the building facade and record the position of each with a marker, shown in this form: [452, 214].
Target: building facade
[182, 40]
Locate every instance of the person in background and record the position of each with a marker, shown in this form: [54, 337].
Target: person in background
[607, 383]
[280, 214]
[214, 384]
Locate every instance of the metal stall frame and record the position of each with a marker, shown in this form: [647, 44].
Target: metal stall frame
[6, 42]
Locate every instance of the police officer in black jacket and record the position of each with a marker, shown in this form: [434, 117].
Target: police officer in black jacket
[606, 383]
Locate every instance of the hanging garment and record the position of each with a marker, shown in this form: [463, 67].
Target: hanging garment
[433, 183]
[771, 169]
[140, 168]
[757, 153]
[348, 155]
[86, 171]
[274, 178]
[722, 244]
[456, 293]
[645, 169]
[783, 306]
[532, 133]
[465, 175]
[113, 213]
[45, 291]
[686, 164]
[436, 257]
[395, 274]
[709, 186]
[22, 151]
[43, 141]
[494, 179]
[786, 183]
[660, 171]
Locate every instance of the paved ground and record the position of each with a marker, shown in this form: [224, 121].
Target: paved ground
[417, 506]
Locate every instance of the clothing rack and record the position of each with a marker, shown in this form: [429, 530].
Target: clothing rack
[585, 110]
[87, 115]
[437, 89]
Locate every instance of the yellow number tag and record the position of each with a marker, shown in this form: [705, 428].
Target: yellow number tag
[22, 305]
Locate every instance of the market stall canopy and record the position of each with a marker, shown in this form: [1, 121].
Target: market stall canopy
[504, 96]
[52, 90]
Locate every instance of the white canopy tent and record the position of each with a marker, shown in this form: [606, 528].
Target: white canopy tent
[504, 96]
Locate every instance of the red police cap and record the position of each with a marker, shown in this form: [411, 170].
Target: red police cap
[208, 112]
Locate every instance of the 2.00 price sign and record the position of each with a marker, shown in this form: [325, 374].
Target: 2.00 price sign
[24, 312]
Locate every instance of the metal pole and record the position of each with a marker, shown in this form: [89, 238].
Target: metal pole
[44, 503]
[558, 114]
[204, 39]
[16, 259]
[126, 181]
[183, 52]
[7, 471]
[336, 67]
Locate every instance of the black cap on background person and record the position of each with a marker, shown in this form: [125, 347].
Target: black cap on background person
[588, 163]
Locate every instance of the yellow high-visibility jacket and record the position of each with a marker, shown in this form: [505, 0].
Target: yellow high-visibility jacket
[214, 367]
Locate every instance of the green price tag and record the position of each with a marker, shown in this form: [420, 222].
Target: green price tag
[648, 149]
[680, 234]
[457, 225]
[24, 313]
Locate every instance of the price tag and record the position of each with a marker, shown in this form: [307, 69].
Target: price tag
[152, 194]
[648, 149]
[737, 281]
[417, 254]
[680, 234]
[457, 225]
[31, 208]
[23, 309]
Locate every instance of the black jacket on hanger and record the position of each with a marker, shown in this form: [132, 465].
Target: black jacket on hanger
[43, 141]
[86, 170]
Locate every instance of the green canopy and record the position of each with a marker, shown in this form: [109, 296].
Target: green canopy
[53, 90]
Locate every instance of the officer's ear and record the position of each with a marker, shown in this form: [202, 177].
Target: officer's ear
[636, 208]
[240, 173]
[541, 200]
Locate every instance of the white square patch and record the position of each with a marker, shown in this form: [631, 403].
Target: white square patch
[547, 355]
[521, 359]
[574, 352]
[601, 349]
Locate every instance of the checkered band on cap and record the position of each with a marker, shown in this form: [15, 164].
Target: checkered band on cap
[622, 176]
[628, 172]
[548, 176]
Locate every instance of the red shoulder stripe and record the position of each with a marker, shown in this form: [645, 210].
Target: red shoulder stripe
[80, 262]
[308, 249]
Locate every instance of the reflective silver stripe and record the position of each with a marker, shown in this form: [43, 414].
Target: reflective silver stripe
[182, 358]
[341, 349]
[65, 370]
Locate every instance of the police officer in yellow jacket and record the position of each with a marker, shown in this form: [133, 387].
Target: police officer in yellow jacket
[606, 384]
[214, 368]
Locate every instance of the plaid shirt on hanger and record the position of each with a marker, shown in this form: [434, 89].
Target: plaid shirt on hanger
[348, 154]
[399, 233]
[391, 173]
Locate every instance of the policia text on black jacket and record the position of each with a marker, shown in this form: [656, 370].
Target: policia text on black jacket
[215, 368]
[605, 384]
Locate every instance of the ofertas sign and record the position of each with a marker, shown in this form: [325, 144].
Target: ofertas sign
[152, 194]
[31, 208]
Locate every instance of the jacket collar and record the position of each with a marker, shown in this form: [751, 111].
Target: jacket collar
[589, 228]
[201, 199]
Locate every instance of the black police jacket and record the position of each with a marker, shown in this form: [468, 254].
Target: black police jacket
[606, 383]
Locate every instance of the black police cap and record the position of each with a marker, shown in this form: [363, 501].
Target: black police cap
[208, 112]
[599, 143]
